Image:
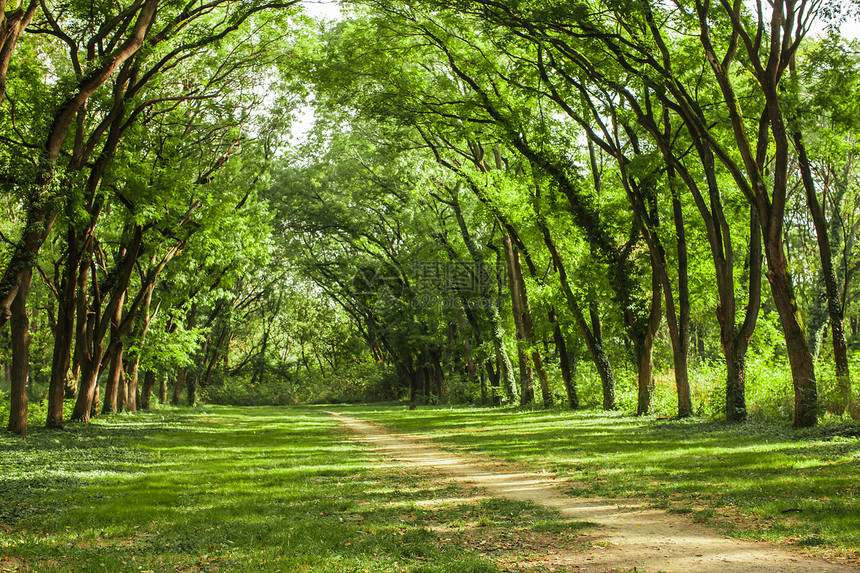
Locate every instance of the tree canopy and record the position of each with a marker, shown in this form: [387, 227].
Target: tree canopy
[635, 205]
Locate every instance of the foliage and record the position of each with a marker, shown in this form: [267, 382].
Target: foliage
[289, 384]
[373, 259]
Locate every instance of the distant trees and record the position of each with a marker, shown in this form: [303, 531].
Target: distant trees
[668, 109]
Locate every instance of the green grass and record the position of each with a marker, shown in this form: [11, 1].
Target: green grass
[759, 479]
[261, 489]
[282, 488]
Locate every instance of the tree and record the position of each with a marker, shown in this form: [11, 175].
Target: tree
[640, 40]
[104, 60]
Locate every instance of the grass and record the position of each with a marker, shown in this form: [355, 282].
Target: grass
[756, 480]
[269, 489]
[261, 489]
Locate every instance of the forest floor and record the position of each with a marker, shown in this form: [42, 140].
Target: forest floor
[615, 535]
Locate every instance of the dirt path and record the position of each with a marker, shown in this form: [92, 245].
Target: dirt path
[650, 540]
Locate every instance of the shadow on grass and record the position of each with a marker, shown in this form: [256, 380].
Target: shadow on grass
[760, 479]
[229, 489]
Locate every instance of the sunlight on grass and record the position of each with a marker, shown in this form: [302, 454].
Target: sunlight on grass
[285, 489]
[232, 489]
[760, 479]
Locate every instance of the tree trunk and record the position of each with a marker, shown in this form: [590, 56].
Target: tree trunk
[114, 353]
[12, 24]
[645, 213]
[497, 329]
[146, 389]
[644, 378]
[681, 355]
[122, 389]
[64, 335]
[736, 407]
[20, 331]
[132, 388]
[546, 393]
[177, 388]
[94, 407]
[81, 325]
[835, 311]
[643, 334]
[97, 328]
[523, 321]
[799, 357]
[192, 389]
[130, 370]
[764, 180]
[438, 376]
[115, 349]
[596, 346]
[527, 392]
[568, 366]
[471, 368]
[88, 394]
[162, 391]
[591, 333]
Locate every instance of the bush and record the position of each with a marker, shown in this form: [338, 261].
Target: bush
[357, 382]
[37, 410]
[708, 387]
[769, 389]
[462, 390]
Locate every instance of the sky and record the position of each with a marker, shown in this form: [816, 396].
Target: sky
[324, 9]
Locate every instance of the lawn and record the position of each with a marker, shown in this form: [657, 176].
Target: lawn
[269, 489]
[756, 480]
[261, 489]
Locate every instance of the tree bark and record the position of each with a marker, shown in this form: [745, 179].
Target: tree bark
[568, 366]
[146, 389]
[100, 323]
[770, 203]
[143, 321]
[122, 388]
[526, 384]
[523, 321]
[12, 24]
[122, 397]
[800, 358]
[132, 386]
[835, 311]
[735, 340]
[81, 327]
[178, 386]
[193, 383]
[20, 327]
[64, 335]
[115, 349]
[87, 395]
[643, 332]
[642, 197]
